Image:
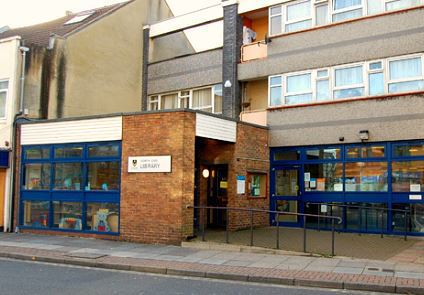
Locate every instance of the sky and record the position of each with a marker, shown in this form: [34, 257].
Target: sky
[19, 13]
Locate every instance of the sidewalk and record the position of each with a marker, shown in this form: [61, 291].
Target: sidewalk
[403, 273]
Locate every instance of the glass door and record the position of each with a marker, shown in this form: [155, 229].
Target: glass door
[285, 194]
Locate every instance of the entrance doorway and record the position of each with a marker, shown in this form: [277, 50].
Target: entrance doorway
[286, 193]
[217, 196]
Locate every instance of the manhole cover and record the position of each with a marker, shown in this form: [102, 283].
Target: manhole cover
[86, 255]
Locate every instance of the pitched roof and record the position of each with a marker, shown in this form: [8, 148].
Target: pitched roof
[39, 34]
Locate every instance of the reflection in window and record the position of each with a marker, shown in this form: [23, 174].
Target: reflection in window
[67, 215]
[67, 176]
[286, 183]
[324, 177]
[276, 86]
[299, 89]
[323, 154]
[37, 153]
[286, 155]
[401, 4]
[346, 9]
[414, 218]
[298, 16]
[368, 219]
[289, 207]
[365, 152]
[103, 176]
[68, 152]
[408, 176]
[37, 176]
[217, 90]
[257, 185]
[409, 150]
[103, 217]
[36, 213]
[107, 150]
[366, 177]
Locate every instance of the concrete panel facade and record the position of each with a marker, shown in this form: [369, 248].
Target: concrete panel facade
[386, 119]
[359, 40]
[186, 72]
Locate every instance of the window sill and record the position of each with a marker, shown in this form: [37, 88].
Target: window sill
[257, 198]
[353, 99]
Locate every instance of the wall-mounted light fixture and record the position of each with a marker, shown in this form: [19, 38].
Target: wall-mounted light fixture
[364, 135]
[228, 84]
[205, 173]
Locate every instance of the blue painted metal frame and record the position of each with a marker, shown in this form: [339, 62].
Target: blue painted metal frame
[83, 196]
[387, 197]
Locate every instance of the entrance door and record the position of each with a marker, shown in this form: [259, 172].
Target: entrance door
[217, 195]
[2, 187]
[285, 195]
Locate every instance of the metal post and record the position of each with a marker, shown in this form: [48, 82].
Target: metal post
[382, 224]
[319, 227]
[406, 225]
[360, 220]
[278, 230]
[366, 220]
[227, 234]
[203, 224]
[304, 233]
[332, 237]
[251, 227]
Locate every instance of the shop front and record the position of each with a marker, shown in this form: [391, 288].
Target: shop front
[136, 177]
[374, 187]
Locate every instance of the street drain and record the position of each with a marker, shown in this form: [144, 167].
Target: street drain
[379, 269]
[86, 255]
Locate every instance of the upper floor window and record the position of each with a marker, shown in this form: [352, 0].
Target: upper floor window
[303, 14]
[4, 85]
[394, 75]
[208, 99]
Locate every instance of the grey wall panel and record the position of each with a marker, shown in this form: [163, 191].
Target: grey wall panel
[378, 37]
[186, 72]
[397, 118]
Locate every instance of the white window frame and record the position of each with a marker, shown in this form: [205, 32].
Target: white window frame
[213, 99]
[182, 97]
[270, 16]
[5, 90]
[323, 78]
[376, 71]
[385, 2]
[203, 107]
[388, 81]
[275, 86]
[151, 100]
[359, 85]
[316, 4]
[298, 20]
[284, 89]
[334, 11]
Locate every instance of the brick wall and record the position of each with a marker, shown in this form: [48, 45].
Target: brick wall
[153, 205]
[249, 154]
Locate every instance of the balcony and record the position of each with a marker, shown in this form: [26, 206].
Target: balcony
[254, 117]
[257, 50]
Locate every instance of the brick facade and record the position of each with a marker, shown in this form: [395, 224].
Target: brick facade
[154, 206]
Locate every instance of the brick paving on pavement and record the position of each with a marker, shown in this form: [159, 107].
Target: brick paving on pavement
[399, 274]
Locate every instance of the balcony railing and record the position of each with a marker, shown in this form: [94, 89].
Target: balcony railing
[254, 51]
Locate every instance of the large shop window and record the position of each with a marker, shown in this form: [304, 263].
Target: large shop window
[326, 177]
[366, 177]
[72, 187]
[408, 176]
[402, 74]
[304, 14]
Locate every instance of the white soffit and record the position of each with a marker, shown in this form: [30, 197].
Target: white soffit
[186, 20]
[90, 130]
[216, 128]
[206, 15]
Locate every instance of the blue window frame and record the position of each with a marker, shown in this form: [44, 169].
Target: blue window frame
[71, 187]
[380, 175]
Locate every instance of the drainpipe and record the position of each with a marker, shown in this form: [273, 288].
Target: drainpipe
[23, 51]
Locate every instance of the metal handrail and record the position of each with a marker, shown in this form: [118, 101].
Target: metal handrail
[277, 213]
[378, 209]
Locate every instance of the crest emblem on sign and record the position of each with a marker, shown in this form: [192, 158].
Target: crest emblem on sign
[134, 162]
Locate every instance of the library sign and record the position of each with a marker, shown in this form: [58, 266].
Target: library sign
[149, 164]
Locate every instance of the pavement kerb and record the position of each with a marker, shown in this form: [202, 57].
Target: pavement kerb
[216, 275]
